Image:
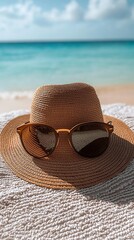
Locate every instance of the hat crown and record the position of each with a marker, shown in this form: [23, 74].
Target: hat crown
[63, 106]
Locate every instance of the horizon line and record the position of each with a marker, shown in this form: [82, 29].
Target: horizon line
[65, 40]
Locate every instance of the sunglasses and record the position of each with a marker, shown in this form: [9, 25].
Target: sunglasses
[88, 139]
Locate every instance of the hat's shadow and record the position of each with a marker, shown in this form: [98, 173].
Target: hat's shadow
[111, 190]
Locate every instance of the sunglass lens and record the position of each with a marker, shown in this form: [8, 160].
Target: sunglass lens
[90, 140]
[38, 140]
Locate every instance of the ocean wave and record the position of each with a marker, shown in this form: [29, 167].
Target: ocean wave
[16, 95]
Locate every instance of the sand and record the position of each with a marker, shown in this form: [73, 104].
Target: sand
[116, 94]
[107, 95]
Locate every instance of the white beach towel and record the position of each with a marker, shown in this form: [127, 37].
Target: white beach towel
[104, 211]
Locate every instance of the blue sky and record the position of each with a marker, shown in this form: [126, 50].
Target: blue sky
[66, 19]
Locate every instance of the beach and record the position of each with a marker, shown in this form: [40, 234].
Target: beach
[107, 95]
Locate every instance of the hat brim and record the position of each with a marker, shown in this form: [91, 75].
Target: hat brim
[67, 170]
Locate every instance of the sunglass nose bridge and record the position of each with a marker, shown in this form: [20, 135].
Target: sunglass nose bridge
[62, 130]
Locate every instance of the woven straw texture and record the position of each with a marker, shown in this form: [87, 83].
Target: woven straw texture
[104, 211]
[63, 106]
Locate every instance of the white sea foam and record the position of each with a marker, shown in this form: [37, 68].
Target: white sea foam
[16, 95]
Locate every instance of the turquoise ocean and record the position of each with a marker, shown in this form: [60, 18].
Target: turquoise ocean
[26, 65]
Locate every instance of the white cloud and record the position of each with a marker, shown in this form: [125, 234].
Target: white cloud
[108, 9]
[27, 13]
[18, 15]
[72, 12]
[16, 10]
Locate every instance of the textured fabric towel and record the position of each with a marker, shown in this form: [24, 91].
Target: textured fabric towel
[105, 211]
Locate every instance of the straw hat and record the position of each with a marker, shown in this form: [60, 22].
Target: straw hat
[63, 106]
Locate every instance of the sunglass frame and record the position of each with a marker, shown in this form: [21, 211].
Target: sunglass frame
[108, 126]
